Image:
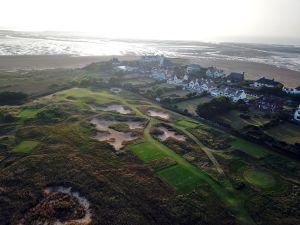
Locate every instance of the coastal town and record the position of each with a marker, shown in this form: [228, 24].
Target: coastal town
[215, 82]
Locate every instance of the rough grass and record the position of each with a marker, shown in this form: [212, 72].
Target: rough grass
[287, 132]
[25, 146]
[251, 149]
[191, 105]
[259, 178]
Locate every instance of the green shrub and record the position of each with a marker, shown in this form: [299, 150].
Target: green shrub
[12, 98]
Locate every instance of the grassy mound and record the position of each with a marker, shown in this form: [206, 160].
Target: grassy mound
[25, 146]
[259, 178]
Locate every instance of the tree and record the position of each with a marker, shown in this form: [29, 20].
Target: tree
[215, 107]
[12, 98]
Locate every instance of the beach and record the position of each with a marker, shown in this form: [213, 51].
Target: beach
[252, 70]
[39, 62]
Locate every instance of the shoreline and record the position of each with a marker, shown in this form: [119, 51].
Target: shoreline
[253, 70]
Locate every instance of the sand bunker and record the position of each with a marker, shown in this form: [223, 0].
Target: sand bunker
[159, 114]
[113, 137]
[116, 90]
[60, 206]
[169, 134]
[110, 108]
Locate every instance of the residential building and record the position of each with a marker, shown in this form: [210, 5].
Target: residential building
[264, 82]
[154, 58]
[158, 74]
[295, 91]
[268, 104]
[193, 68]
[297, 114]
[214, 72]
[235, 77]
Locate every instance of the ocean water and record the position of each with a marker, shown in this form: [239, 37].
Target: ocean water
[51, 43]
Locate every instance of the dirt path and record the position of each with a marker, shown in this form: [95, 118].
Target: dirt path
[207, 151]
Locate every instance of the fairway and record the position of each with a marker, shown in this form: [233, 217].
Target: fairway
[25, 146]
[260, 179]
[180, 178]
[147, 152]
[251, 149]
[187, 123]
[28, 113]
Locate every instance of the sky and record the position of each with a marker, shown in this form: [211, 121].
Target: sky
[203, 20]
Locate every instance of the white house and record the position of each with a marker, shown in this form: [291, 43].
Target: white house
[234, 94]
[154, 58]
[192, 68]
[294, 91]
[186, 77]
[158, 74]
[175, 80]
[297, 114]
[239, 95]
[214, 72]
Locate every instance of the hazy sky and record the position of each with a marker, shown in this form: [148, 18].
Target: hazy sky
[210, 20]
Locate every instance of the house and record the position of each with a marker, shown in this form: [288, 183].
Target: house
[297, 114]
[269, 104]
[232, 93]
[207, 84]
[215, 92]
[158, 74]
[192, 68]
[214, 72]
[115, 61]
[264, 82]
[128, 69]
[235, 77]
[154, 58]
[175, 80]
[294, 91]
[239, 95]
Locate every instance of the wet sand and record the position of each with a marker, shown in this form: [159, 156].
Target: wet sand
[38, 62]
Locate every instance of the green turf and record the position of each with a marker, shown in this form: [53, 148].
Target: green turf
[186, 123]
[259, 178]
[180, 178]
[147, 152]
[28, 113]
[251, 149]
[25, 146]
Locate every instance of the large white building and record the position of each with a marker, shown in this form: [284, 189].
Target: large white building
[297, 114]
[295, 91]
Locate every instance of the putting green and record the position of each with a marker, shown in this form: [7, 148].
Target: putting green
[259, 178]
[25, 146]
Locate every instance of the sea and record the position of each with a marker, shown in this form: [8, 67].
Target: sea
[78, 44]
